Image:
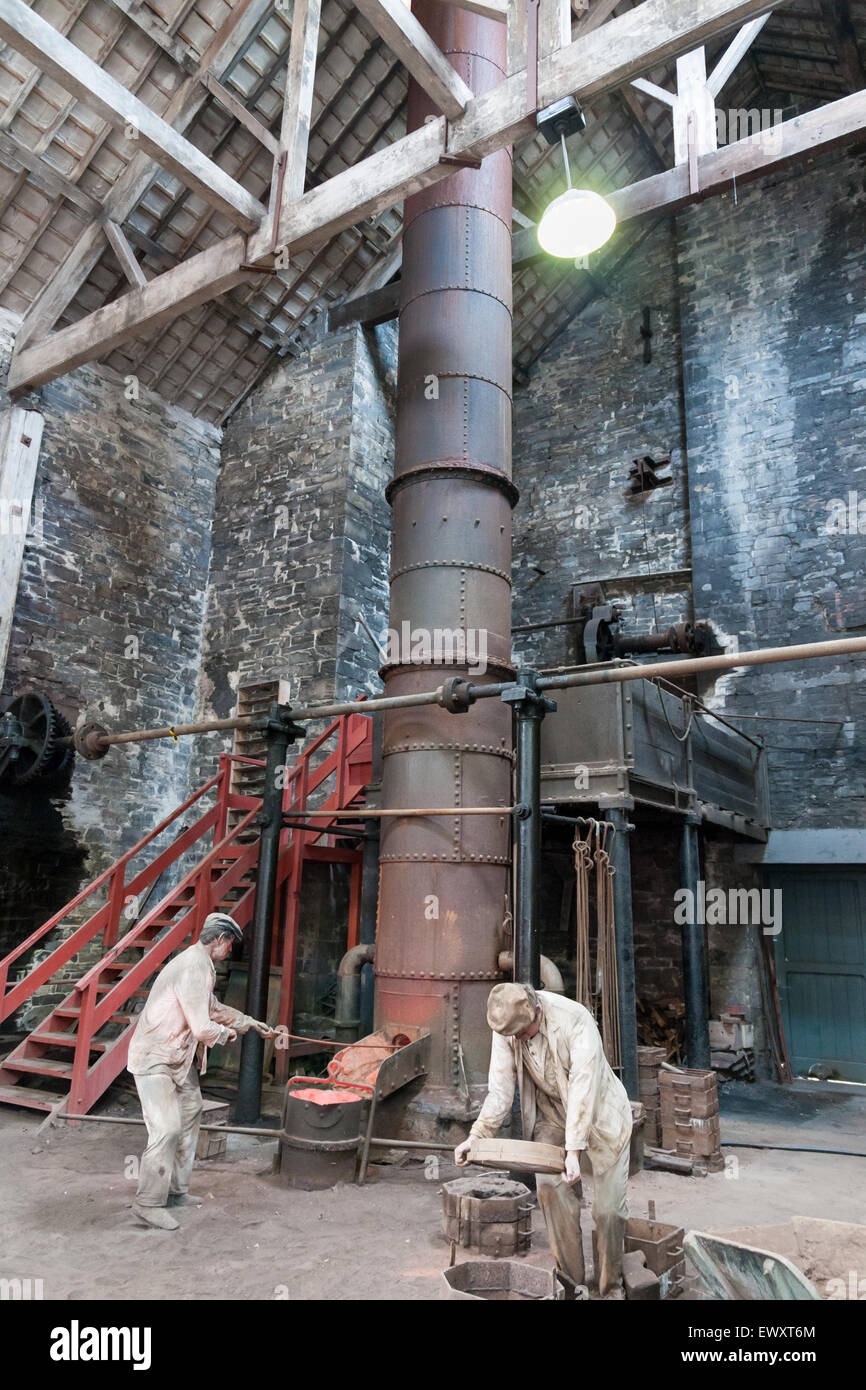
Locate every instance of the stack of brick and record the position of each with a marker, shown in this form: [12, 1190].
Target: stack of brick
[690, 1115]
[649, 1059]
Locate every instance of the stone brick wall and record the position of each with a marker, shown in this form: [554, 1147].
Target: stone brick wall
[591, 406]
[774, 347]
[108, 622]
[757, 388]
[300, 550]
[300, 539]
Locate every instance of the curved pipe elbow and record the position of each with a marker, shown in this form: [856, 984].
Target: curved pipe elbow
[551, 979]
[356, 958]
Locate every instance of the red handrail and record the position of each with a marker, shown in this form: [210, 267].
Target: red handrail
[107, 917]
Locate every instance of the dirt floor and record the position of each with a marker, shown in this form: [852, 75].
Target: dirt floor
[65, 1202]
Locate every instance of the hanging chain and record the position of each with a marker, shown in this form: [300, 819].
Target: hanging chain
[593, 851]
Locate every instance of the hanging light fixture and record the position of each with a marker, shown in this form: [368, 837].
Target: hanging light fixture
[578, 221]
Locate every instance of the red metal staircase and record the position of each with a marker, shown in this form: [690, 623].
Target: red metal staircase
[81, 1046]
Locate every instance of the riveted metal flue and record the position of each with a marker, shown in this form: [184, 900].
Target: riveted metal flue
[443, 883]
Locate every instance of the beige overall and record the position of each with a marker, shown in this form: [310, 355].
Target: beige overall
[568, 1096]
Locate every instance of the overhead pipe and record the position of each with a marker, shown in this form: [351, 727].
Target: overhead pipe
[97, 740]
[280, 733]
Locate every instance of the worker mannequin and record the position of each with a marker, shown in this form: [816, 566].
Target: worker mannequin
[179, 1022]
[551, 1048]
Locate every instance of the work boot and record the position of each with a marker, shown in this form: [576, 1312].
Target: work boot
[182, 1199]
[155, 1216]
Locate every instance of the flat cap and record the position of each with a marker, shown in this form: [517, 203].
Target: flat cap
[511, 1008]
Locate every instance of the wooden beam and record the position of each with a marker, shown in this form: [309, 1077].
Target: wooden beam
[657, 93]
[554, 26]
[376, 307]
[31, 36]
[597, 14]
[124, 253]
[297, 106]
[145, 20]
[130, 186]
[735, 53]
[142, 311]
[46, 178]
[645, 130]
[409, 41]
[654, 32]
[381, 271]
[236, 108]
[20, 437]
[814, 133]
[694, 110]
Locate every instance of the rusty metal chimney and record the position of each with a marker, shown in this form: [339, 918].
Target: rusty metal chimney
[443, 880]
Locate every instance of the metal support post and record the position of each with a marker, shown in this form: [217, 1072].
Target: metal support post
[280, 732]
[529, 709]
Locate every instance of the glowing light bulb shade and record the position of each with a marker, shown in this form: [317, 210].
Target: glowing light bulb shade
[576, 223]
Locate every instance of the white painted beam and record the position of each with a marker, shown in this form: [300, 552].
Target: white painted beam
[20, 437]
[735, 53]
[694, 109]
[657, 93]
[297, 104]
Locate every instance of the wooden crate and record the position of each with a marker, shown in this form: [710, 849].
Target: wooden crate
[209, 1145]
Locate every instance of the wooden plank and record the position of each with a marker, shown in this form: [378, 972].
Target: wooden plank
[133, 183]
[734, 53]
[610, 56]
[236, 108]
[124, 253]
[31, 36]
[409, 41]
[20, 437]
[298, 104]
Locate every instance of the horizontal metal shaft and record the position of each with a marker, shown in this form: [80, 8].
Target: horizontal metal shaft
[724, 661]
[363, 814]
[259, 1133]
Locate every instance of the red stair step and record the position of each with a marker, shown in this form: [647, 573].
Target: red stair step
[29, 1096]
[72, 1012]
[42, 1066]
[68, 1040]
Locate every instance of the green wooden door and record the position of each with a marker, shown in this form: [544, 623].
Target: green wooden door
[821, 966]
